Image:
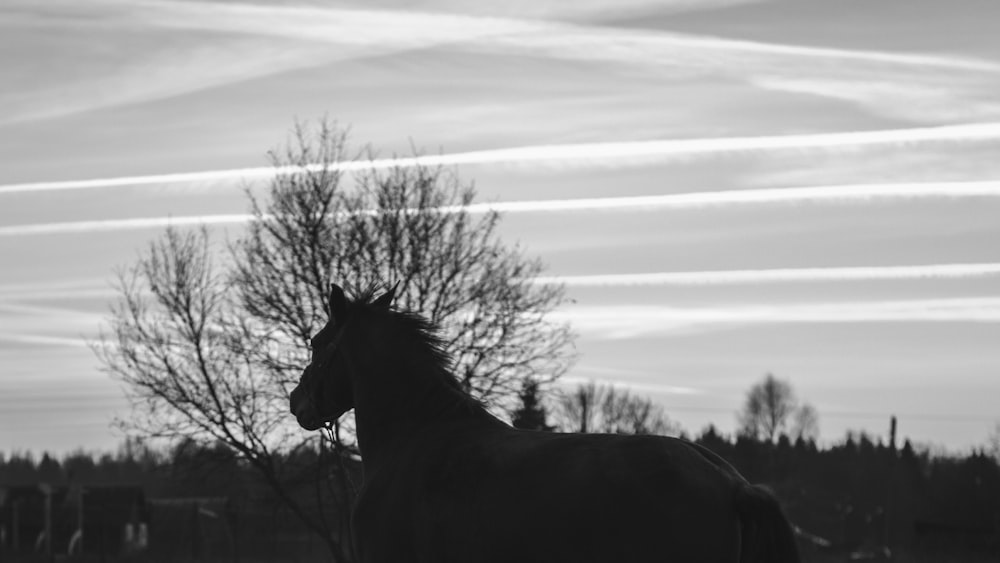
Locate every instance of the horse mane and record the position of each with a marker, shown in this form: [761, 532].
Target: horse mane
[418, 333]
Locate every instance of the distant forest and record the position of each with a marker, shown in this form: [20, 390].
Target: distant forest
[861, 496]
[852, 499]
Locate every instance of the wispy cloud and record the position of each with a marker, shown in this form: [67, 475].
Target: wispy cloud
[237, 41]
[159, 74]
[923, 88]
[787, 275]
[42, 340]
[624, 322]
[932, 99]
[603, 379]
[693, 200]
[212, 44]
[580, 154]
[12, 292]
[100, 226]
[419, 29]
[578, 9]
[46, 325]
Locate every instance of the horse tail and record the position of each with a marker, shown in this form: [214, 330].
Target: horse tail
[766, 535]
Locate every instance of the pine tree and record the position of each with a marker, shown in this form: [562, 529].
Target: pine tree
[530, 415]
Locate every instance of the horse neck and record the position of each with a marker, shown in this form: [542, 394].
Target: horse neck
[398, 392]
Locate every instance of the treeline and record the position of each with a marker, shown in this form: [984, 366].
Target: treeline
[186, 469]
[856, 496]
[193, 502]
[862, 494]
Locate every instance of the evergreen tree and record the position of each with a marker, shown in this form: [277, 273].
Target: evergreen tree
[530, 415]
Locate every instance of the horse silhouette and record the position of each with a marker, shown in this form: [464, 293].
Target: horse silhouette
[446, 481]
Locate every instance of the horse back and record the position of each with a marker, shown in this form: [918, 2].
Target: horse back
[471, 494]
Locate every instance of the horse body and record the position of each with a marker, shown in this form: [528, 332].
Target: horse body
[445, 481]
[512, 495]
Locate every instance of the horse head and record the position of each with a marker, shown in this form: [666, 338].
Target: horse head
[325, 390]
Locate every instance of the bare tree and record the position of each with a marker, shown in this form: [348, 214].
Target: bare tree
[805, 423]
[579, 410]
[597, 408]
[208, 341]
[993, 442]
[625, 413]
[768, 406]
[178, 344]
[405, 225]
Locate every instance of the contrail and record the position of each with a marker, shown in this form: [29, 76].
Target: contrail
[587, 153]
[38, 339]
[121, 224]
[631, 321]
[691, 200]
[849, 192]
[733, 277]
[702, 278]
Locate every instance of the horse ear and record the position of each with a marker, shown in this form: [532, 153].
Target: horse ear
[338, 303]
[385, 300]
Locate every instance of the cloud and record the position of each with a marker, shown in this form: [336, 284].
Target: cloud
[202, 45]
[384, 29]
[898, 99]
[71, 289]
[160, 73]
[235, 41]
[108, 225]
[577, 9]
[707, 53]
[916, 86]
[42, 340]
[924, 88]
[602, 379]
[790, 275]
[579, 154]
[46, 326]
[410, 29]
[626, 321]
[104, 54]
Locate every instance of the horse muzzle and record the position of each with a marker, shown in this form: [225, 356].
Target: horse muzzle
[301, 405]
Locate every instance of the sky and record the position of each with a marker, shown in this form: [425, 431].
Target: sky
[728, 188]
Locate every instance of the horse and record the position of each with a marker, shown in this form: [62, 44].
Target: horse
[446, 481]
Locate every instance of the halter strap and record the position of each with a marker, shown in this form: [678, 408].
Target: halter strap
[328, 351]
